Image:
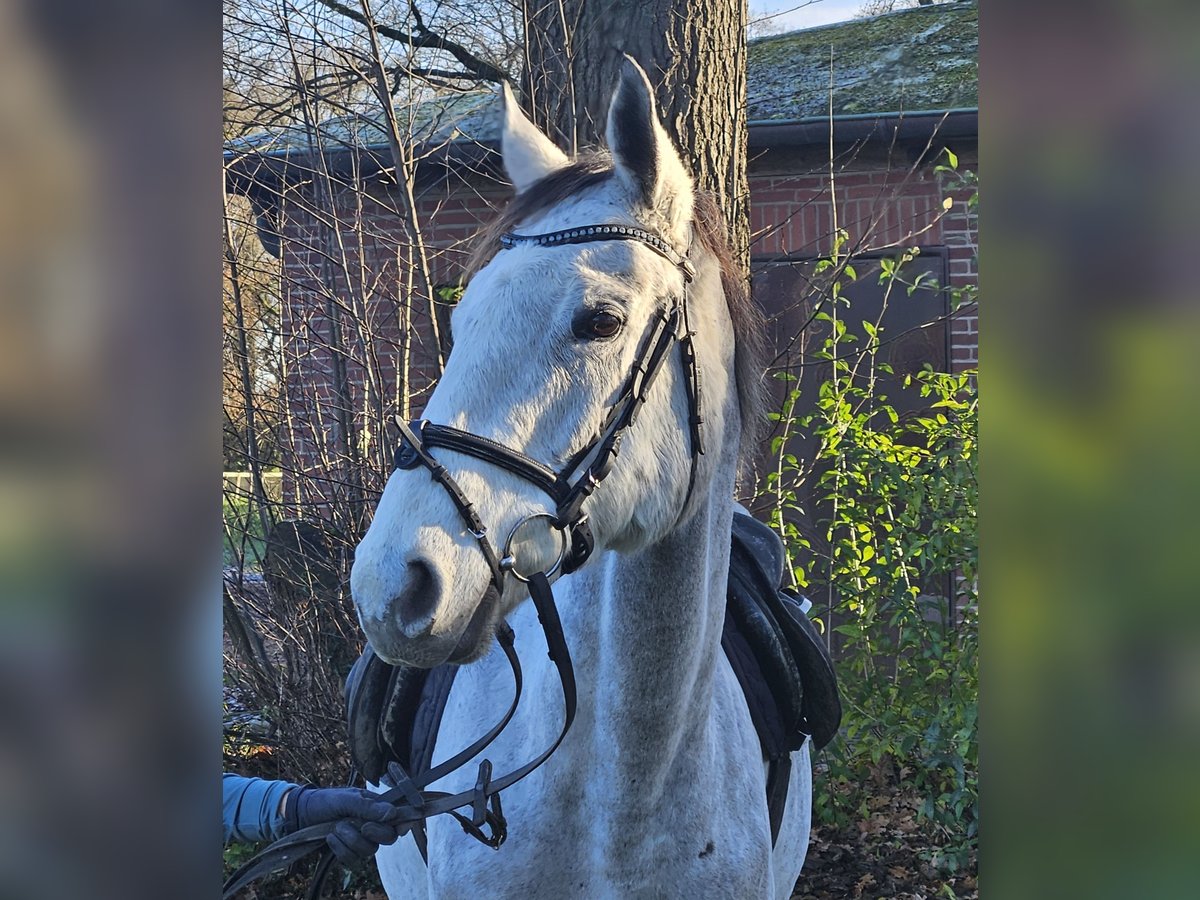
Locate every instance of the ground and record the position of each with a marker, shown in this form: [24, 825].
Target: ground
[888, 855]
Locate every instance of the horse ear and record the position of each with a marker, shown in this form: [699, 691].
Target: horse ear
[528, 154]
[643, 155]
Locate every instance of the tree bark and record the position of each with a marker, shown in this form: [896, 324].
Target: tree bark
[695, 54]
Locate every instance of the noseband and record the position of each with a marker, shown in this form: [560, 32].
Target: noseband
[568, 489]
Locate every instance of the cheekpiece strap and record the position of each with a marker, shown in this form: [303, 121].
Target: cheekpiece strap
[590, 233]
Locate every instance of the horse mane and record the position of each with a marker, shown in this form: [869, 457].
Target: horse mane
[749, 326]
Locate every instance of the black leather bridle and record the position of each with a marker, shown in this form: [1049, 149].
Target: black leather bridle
[569, 489]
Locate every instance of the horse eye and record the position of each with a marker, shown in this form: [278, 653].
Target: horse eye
[603, 325]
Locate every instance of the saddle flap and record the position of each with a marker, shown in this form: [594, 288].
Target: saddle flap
[366, 693]
[808, 700]
[822, 706]
[399, 711]
[758, 543]
[393, 715]
[427, 718]
[770, 655]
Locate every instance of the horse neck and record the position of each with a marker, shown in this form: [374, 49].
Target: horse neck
[649, 627]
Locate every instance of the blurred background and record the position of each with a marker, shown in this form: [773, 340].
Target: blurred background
[1091, 671]
[109, 348]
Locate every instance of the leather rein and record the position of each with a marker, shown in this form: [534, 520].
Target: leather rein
[568, 491]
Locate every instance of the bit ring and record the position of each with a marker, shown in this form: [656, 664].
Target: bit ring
[508, 562]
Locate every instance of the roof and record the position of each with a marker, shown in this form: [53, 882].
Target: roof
[923, 59]
[472, 115]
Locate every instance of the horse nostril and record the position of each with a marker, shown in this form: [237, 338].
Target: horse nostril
[414, 606]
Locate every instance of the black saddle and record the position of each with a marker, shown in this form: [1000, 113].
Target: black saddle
[778, 657]
[394, 712]
[792, 661]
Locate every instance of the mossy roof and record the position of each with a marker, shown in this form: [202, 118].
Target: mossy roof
[925, 58]
[473, 115]
[920, 59]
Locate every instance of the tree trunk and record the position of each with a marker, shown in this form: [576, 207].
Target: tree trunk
[695, 54]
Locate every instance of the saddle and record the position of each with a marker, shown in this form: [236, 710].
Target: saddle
[778, 657]
[775, 651]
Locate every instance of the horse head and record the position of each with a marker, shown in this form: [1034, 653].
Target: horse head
[546, 337]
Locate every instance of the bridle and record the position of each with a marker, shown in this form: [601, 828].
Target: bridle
[568, 488]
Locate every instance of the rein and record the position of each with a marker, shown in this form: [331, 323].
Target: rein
[415, 804]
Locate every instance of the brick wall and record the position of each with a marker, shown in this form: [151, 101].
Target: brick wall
[884, 204]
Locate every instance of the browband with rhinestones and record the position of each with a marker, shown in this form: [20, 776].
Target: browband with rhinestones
[603, 233]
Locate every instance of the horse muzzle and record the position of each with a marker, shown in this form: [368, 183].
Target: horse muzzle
[418, 627]
[400, 641]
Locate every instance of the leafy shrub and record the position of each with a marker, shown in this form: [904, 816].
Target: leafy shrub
[881, 530]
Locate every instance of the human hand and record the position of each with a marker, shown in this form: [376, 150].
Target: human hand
[364, 822]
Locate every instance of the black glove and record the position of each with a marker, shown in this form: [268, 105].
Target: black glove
[364, 822]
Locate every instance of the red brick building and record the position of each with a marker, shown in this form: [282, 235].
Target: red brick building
[904, 90]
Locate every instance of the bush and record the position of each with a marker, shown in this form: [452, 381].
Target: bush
[881, 529]
[904, 519]
[291, 638]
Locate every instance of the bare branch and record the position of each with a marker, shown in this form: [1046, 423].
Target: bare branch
[424, 39]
